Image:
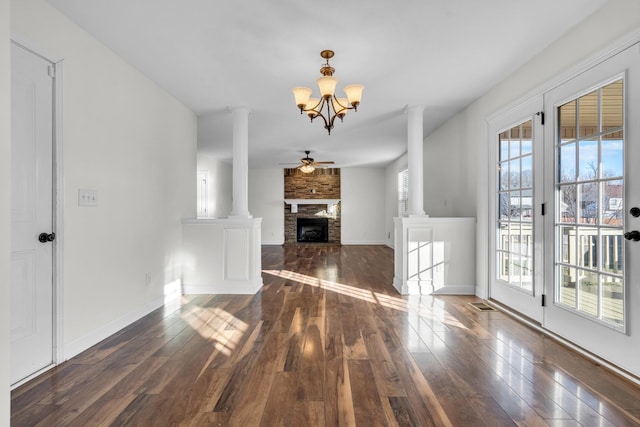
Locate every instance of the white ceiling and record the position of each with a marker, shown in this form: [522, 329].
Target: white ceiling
[213, 55]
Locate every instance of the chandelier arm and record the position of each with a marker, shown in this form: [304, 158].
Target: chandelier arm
[318, 110]
[344, 107]
[329, 126]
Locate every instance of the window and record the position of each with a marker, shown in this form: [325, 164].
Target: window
[403, 192]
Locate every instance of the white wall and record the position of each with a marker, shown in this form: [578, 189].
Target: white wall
[220, 185]
[134, 144]
[5, 156]
[463, 139]
[266, 201]
[362, 191]
[447, 172]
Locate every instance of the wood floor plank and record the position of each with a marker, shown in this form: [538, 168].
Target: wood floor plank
[311, 377]
[327, 341]
[83, 396]
[281, 400]
[366, 399]
[383, 368]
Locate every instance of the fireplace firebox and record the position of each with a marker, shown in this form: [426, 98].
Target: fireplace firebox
[313, 230]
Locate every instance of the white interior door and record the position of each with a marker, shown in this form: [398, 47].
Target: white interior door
[516, 230]
[593, 175]
[31, 214]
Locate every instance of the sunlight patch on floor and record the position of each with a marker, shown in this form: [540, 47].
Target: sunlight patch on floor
[324, 284]
[423, 305]
[215, 324]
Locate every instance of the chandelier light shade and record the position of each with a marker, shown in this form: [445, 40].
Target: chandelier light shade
[329, 106]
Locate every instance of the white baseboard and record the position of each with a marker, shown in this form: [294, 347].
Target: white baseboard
[273, 242]
[364, 242]
[413, 288]
[225, 288]
[456, 290]
[77, 346]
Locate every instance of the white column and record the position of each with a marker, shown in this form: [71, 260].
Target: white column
[415, 160]
[240, 208]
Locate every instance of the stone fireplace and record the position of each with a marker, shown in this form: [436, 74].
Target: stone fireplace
[315, 199]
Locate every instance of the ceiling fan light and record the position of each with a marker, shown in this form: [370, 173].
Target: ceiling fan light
[327, 86]
[302, 95]
[354, 94]
[307, 168]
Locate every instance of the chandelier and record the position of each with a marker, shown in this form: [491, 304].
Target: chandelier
[329, 106]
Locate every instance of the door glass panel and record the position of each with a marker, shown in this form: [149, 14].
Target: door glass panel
[567, 293]
[612, 155]
[568, 203]
[612, 106]
[588, 114]
[588, 293]
[613, 298]
[587, 160]
[568, 162]
[588, 202]
[589, 209]
[612, 202]
[515, 211]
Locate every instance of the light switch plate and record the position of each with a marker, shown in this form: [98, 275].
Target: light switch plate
[87, 197]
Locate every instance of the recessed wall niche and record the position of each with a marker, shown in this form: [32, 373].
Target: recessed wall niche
[319, 184]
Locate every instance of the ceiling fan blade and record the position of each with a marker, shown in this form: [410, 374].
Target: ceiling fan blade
[323, 163]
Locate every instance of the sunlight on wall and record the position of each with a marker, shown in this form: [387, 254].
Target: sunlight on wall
[172, 291]
[425, 263]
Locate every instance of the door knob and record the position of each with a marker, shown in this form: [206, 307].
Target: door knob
[44, 237]
[635, 211]
[632, 235]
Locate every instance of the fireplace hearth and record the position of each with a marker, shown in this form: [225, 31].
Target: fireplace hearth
[312, 230]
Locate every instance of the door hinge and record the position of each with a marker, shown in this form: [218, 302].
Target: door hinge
[543, 209]
[52, 71]
[543, 300]
[541, 114]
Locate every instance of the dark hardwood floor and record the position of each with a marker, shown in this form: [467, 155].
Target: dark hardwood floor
[327, 342]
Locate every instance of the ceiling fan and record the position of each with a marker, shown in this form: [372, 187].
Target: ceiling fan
[308, 165]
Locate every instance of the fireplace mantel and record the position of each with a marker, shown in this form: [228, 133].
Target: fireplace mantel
[295, 202]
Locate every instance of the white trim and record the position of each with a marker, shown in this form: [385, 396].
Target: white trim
[273, 242]
[81, 344]
[32, 376]
[35, 48]
[365, 242]
[456, 290]
[58, 287]
[225, 288]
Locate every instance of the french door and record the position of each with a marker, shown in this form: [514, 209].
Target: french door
[516, 232]
[592, 273]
